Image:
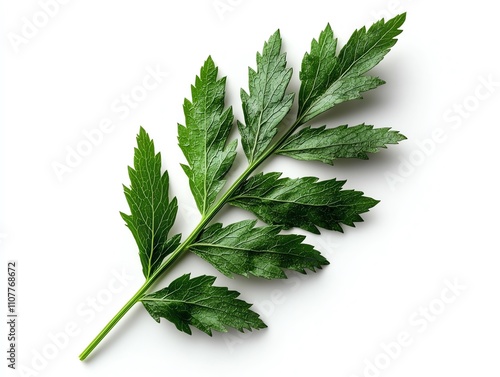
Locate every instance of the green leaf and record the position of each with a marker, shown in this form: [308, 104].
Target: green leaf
[203, 139]
[365, 49]
[342, 90]
[244, 249]
[318, 67]
[152, 214]
[302, 202]
[266, 105]
[198, 303]
[328, 79]
[328, 144]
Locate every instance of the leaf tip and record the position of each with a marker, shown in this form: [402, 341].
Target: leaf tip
[401, 18]
[400, 137]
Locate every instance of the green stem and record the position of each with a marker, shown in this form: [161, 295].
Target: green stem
[113, 321]
[184, 246]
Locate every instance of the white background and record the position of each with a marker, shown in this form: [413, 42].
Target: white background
[436, 223]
